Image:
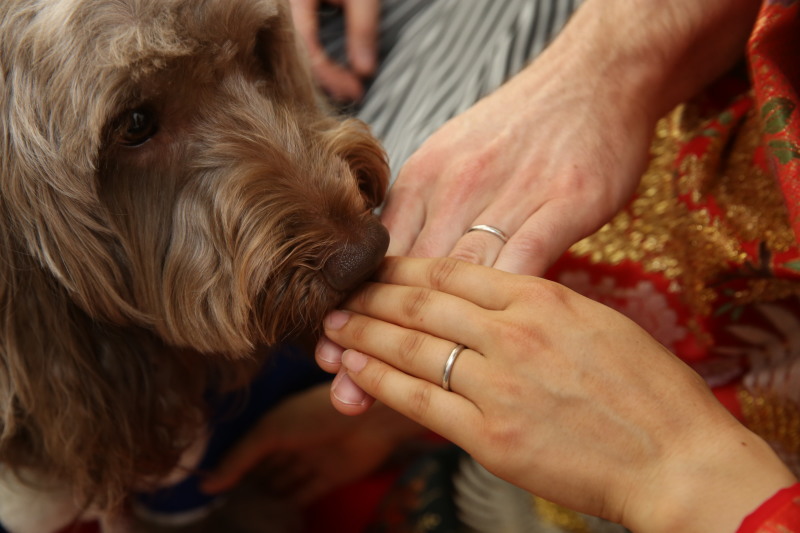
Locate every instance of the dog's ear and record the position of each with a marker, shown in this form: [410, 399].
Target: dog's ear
[352, 141]
[54, 106]
[90, 406]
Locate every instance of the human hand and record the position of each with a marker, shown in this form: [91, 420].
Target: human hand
[556, 393]
[304, 448]
[342, 82]
[547, 158]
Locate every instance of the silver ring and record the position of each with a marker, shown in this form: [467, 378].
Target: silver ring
[448, 366]
[490, 229]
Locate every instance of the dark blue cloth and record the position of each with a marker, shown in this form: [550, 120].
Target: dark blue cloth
[288, 371]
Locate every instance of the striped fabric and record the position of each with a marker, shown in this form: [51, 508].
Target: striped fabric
[438, 57]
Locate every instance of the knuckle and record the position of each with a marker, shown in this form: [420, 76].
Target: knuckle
[441, 271]
[373, 376]
[409, 348]
[415, 302]
[543, 293]
[357, 329]
[419, 401]
[502, 435]
[471, 251]
[553, 293]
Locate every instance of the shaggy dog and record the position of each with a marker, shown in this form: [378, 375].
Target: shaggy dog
[174, 196]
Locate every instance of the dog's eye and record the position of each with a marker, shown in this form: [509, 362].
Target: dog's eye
[136, 127]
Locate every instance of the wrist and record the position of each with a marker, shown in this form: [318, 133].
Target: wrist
[712, 485]
[651, 55]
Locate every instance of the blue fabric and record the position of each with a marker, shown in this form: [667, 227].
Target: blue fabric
[288, 371]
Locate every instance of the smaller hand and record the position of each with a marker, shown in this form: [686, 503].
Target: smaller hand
[342, 82]
[555, 393]
[304, 448]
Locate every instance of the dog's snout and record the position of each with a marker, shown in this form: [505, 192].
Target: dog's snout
[355, 261]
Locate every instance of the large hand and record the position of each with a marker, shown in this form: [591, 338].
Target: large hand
[304, 448]
[342, 82]
[547, 158]
[555, 152]
[555, 393]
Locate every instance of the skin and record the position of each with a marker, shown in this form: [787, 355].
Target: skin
[556, 393]
[341, 82]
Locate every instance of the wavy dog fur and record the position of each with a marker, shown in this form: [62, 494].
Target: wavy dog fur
[135, 278]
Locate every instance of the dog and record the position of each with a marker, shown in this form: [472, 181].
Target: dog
[175, 197]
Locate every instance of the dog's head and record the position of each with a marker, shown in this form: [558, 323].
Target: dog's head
[168, 162]
[170, 181]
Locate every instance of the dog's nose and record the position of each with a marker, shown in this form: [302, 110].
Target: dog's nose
[355, 261]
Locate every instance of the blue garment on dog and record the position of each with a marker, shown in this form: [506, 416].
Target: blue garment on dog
[287, 372]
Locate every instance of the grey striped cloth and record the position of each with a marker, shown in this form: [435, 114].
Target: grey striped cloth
[438, 57]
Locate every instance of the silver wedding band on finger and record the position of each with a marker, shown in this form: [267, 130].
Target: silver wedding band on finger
[490, 229]
[448, 366]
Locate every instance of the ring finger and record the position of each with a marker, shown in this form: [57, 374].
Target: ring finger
[416, 353]
[480, 244]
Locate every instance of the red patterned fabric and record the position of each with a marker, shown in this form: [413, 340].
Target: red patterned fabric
[776, 79]
[779, 514]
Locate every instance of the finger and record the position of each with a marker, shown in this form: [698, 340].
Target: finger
[478, 247]
[247, 453]
[419, 309]
[304, 16]
[484, 287]
[539, 242]
[404, 216]
[444, 226]
[340, 83]
[453, 416]
[328, 355]
[347, 397]
[361, 19]
[414, 352]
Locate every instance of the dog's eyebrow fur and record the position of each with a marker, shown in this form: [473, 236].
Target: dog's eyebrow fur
[145, 33]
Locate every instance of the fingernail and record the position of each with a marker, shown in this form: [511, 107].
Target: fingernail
[329, 352]
[353, 360]
[336, 320]
[346, 391]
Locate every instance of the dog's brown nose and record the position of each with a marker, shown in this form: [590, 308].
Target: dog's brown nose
[355, 261]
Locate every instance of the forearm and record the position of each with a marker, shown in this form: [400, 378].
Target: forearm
[651, 54]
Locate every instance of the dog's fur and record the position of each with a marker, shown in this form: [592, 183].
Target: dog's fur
[134, 279]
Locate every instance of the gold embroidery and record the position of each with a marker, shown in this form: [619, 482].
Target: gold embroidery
[559, 516]
[696, 246]
[776, 420]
